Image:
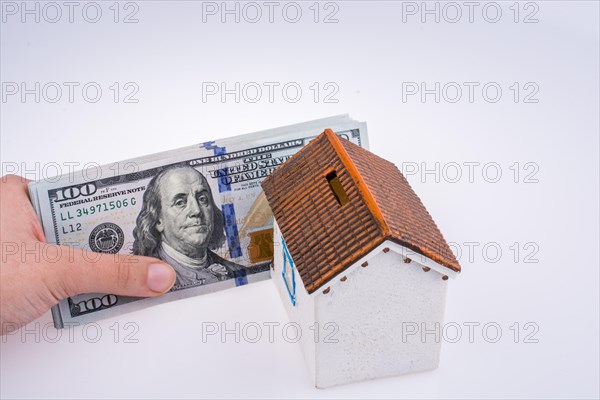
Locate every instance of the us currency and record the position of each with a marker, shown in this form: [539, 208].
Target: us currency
[218, 237]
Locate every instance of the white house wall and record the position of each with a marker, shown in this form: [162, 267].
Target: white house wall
[303, 313]
[370, 309]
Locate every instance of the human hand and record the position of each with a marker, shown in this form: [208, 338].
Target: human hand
[35, 275]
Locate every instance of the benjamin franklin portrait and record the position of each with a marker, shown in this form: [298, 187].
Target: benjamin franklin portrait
[180, 223]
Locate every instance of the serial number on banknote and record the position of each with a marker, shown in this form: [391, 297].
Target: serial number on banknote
[102, 207]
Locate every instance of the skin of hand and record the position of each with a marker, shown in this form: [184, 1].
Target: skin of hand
[35, 275]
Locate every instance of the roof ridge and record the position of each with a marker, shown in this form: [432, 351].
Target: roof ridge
[360, 183]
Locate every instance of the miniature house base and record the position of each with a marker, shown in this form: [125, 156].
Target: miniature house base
[377, 318]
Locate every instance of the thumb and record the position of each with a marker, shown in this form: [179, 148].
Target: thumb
[80, 271]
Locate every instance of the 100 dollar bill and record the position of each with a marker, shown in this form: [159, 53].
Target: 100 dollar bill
[198, 208]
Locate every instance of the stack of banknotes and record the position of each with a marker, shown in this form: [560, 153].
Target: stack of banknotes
[199, 208]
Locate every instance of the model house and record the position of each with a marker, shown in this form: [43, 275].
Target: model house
[357, 258]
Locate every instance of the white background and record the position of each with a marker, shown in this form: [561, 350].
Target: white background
[367, 54]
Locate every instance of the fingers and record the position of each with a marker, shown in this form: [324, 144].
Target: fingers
[18, 221]
[87, 272]
[78, 271]
[13, 188]
[14, 179]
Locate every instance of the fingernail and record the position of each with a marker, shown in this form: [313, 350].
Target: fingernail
[160, 277]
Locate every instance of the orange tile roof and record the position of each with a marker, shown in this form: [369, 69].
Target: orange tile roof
[326, 233]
